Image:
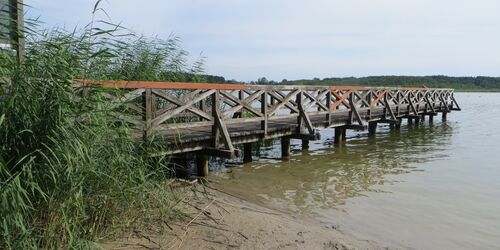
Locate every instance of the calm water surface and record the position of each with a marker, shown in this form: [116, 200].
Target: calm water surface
[428, 187]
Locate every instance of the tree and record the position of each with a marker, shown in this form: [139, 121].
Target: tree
[262, 80]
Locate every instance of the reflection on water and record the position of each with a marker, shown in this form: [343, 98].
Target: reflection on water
[427, 187]
[325, 176]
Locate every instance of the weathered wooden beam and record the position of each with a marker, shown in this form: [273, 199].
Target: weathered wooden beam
[412, 105]
[388, 108]
[329, 104]
[221, 126]
[307, 121]
[148, 112]
[188, 106]
[340, 99]
[372, 128]
[285, 147]
[283, 101]
[446, 108]
[170, 113]
[202, 165]
[247, 152]
[222, 153]
[340, 135]
[455, 105]
[354, 112]
[305, 143]
[309, 137]
[263, 110]
[243, 104]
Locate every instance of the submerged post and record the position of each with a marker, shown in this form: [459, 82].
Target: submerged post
[372, 128]
[398, 124]
[444, 115]
[247, 152]
[285, 147]
[417, 120]
[305, 143]
[340, 133]
[410, 121]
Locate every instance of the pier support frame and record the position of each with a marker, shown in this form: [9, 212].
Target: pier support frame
[305, 143]
[372, 128]
[285, 147]
[340, 134]
[202, 165]
[247, 152]
[398, 124]
[417, 120]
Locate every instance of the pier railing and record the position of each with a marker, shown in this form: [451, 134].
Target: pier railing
[154, 108]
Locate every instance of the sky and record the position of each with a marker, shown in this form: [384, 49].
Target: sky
[299, 39]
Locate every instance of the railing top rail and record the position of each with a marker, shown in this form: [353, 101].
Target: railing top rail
[228, 86]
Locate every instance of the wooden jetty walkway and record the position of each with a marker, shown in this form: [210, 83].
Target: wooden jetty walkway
[204, 119]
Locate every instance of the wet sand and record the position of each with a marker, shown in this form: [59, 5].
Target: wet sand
[222, 221]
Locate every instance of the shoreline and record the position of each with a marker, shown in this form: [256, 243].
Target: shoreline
[223, 221]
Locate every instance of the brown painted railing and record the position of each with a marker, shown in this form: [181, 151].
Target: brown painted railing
[156, 107]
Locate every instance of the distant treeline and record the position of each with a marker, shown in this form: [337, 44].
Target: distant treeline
[480, 83]
[463, 83]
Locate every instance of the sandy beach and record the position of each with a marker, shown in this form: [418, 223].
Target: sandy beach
[223, 221]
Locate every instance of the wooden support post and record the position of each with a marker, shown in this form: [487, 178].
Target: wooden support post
[328, 105]
[285, 147]
[239, 114]
[305, 143]
[148, 112]
[417, 120]
[263, 110]
[398, 124]
[215, 109]
[354, 111]
[431, 119]
[247, 152]
[18, 33]
[444, 115]
[340, 134]
[202, 165]
[203, 105]
[372, 128]
[422, 117]
[410, 121]
[300, 118]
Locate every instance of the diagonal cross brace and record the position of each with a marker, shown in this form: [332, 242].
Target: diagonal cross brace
[388, 108]
[303, 115]
[354, 110]
[221, 126]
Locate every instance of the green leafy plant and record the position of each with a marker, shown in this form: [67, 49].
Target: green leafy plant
[64, 181]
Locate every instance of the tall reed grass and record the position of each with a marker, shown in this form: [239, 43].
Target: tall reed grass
[65, 182]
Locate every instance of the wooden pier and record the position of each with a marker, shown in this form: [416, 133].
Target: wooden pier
[204, 119]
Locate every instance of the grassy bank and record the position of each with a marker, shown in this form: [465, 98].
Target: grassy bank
[69, 173]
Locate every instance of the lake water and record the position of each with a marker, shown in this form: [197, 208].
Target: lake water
[427, 187]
